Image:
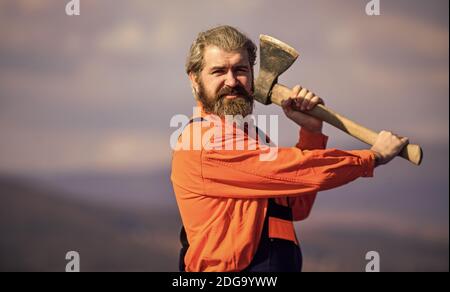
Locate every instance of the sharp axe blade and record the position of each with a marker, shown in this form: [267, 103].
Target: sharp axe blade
[275, 58]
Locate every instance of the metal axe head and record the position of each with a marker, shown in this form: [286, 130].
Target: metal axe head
[275, 58]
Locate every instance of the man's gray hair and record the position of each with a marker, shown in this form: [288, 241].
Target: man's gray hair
[226, 38]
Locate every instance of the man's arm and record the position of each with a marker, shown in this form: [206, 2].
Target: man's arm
[242, 174]
[295, 172]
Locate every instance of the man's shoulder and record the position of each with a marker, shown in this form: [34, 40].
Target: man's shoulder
[192, 135]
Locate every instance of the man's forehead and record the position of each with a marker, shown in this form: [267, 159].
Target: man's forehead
[215, 56]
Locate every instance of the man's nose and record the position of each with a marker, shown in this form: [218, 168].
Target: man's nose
[231, 80]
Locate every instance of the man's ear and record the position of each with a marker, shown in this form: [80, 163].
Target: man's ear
[194, 81]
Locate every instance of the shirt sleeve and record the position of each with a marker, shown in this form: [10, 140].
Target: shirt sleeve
[302, 205]
[294, 172]
[311, 141]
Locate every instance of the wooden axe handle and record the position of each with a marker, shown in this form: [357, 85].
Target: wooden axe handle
[410, 152]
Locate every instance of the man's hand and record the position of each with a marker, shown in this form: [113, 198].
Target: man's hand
[387, 146]
[302, 100]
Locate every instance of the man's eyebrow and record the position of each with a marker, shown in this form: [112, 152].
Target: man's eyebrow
[219, 67]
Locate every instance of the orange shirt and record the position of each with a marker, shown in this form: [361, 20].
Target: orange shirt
[222, 195]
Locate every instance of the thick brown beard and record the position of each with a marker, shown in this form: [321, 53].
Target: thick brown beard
[220, 106]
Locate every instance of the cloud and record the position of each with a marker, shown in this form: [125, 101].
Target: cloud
[125, 38]
[132, 151]
[28, 151]
[24, 7]
[132, 37]
[380, 54]
[119, 66]
[411, 35]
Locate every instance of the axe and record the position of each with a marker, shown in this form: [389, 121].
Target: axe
[275, 58]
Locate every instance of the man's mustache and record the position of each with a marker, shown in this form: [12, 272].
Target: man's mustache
[237, 90]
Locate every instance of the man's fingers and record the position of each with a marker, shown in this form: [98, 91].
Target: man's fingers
[315, 101]
[303, 92]
[394, 136]
[309, 96]
[306, 104]
[296, 90]
[303, 99]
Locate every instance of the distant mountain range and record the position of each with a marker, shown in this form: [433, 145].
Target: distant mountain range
[141, 190]
[130, 222]
[39, 225]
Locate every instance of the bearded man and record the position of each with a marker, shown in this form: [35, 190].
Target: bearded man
[238, 210]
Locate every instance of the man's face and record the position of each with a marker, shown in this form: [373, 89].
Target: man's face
[225, 85]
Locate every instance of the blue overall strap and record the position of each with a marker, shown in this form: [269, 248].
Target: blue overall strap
[273, 254]
[263, 136]
[195, 120]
